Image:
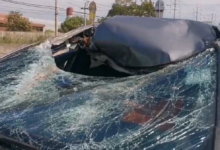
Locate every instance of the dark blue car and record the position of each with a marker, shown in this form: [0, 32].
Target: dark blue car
[91, 99]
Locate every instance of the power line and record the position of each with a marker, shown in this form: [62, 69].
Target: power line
[186, 9]
[181, 10]
[80, 3]
[174, 13]
[98, 4]
[184, 13]
[85, 8]
[55, 8]
[213, 17]
[102, 5]
[41, 6]
[31, 5]
[35, 12]
[197, 13]
[21, 9]
[38, 6]
[174, 8]
[74, 5]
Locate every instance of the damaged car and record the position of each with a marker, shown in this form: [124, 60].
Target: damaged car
[130, 83]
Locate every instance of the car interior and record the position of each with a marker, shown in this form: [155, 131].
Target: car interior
[80, 56]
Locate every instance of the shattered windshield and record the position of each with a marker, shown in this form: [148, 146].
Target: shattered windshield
[171, 109]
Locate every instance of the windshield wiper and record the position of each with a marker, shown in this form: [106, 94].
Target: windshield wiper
[11, 141]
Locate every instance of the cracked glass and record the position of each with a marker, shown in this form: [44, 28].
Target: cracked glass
[171, 109]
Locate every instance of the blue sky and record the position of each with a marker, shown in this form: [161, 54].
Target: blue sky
[185, 9]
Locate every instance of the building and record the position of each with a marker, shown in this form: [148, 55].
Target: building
[159, 8]
[38, 27]
[3, 21]
[69, 12]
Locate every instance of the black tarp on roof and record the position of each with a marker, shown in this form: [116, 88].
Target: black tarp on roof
[144, 42]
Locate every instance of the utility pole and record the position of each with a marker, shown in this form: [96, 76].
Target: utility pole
[180, 11]
[159, 8]
[84, 8]
[197, 13]
[56, 16]
[174, 13]
[212, 17]
[174, 8]
[197, 9]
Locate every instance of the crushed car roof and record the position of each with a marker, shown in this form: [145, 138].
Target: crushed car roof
[145, 42]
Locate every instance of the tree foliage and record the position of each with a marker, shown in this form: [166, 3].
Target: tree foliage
[129, 8]
[16, 22]
[124, 2]
[71, 23]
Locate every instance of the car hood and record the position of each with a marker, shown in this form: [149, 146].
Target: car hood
[51, 109]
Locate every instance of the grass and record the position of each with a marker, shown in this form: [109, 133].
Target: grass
[12, 42]
[23, 39]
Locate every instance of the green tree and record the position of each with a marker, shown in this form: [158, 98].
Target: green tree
[147, 8]
[118, 9]
[16, 22]
[71, 23]
[129, 8]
